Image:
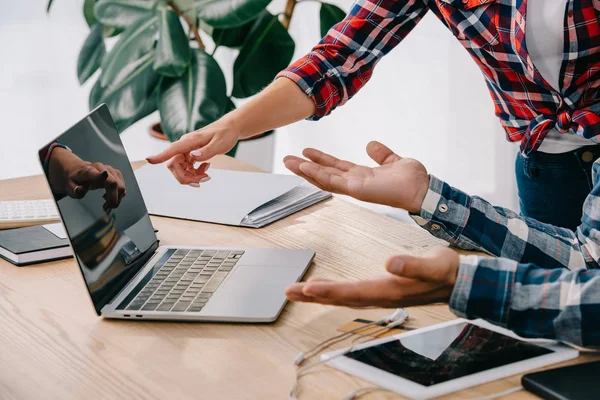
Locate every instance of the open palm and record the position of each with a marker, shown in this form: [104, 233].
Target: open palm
[397, 182]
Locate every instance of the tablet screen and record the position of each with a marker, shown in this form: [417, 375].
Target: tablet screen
[447, 353]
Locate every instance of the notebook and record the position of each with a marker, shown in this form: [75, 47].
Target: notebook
[249, 199]
[34, 244]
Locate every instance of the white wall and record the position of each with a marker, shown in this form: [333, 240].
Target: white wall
[426, 100]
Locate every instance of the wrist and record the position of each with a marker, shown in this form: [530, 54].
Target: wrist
[423, 188]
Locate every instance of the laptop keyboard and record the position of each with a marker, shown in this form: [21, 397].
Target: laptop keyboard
[186, 281]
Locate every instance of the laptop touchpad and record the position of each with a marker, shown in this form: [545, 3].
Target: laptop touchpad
[252, 292]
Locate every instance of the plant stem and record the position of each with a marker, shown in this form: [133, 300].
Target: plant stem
[190, 23]
[287, 14]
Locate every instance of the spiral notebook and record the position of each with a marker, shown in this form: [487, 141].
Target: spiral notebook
[249, 199]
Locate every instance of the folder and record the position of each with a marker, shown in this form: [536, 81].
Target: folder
[34, 244]
[249, 199]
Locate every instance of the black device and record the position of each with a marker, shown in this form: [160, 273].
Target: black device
[575, 382]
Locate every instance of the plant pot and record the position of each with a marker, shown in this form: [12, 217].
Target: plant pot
[157, 132]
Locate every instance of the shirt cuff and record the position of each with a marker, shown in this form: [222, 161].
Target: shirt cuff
[445, 211]
[484, 289]
[309, 76]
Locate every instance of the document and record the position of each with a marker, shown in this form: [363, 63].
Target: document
[237, 198]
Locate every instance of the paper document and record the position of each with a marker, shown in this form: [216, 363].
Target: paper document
[230, 197]
[57, 229]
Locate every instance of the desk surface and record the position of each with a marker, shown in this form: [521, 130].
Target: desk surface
[54, 346]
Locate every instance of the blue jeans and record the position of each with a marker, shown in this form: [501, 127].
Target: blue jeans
[553, 187]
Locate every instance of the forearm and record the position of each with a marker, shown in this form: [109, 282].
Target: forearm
[280, 104]
[531, 301]
[471, 223]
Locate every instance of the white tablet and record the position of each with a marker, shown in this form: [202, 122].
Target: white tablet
[447, 357]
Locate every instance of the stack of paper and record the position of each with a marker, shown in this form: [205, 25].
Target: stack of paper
[297, 199]
[231, 197]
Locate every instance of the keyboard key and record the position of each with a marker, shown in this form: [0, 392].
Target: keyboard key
[204, 295]
[226, 269]
[165, 307]
[237, 252]
[180, 307]
[150, 307]
[195, 309]
[209, 253]
[214, 283]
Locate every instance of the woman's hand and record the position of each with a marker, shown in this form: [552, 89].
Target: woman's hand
[70, 175]
[411, 281]
[397, 182]
[195, 148]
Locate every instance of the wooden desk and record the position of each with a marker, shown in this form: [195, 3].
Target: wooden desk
[53, 346]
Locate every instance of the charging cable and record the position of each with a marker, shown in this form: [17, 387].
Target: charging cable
[393, 320]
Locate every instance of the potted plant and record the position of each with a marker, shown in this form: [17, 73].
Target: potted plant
[160, 62]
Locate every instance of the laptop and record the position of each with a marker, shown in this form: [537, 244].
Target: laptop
[128, 274]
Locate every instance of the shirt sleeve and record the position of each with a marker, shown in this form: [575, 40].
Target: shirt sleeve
[471, 223]
[536, 302]
[344, 59]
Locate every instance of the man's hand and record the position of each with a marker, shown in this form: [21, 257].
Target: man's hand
[397, 182]
[69, 175]
[411, 281]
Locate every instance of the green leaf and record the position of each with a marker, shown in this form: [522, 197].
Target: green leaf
[330, 15]
[88, 12]
[132, 98]
[188, 7]
[172, 50]
[267, 50]
[135, 42]
[49, 5]
[122, 13]
[194, 100]
[229, 13]
[91, 54]
[232, 37]
[110, 31]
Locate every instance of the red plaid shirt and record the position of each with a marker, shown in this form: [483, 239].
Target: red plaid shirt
[493, 32]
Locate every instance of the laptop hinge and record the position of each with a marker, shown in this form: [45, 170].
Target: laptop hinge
[155, 246]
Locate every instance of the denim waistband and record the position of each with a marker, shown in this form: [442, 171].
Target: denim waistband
[579, 157]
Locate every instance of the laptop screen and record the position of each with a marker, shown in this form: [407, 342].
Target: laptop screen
[100, 203]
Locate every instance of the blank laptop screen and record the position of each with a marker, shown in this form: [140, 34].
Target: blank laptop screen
[100, 203]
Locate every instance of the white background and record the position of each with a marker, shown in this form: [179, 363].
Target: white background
[426, 100]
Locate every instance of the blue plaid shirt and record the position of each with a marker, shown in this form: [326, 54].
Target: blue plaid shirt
[546, 281]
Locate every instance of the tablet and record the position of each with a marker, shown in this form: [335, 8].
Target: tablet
[445, 358]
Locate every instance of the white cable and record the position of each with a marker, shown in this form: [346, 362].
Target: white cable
[359, 392]
[497, 395]
[397, 318]
[303, 356]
